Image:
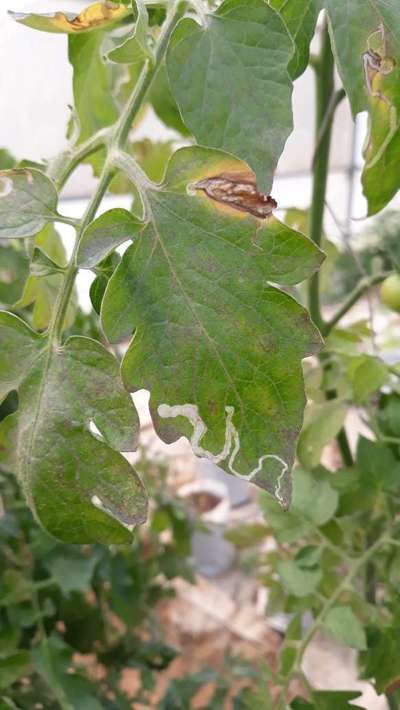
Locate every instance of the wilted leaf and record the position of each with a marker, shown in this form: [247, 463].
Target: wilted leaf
[343, 625]
[218, 348]
[28, 201]
[367, 53]
[231, 82]
[95, 16]
[103, 235]
[79, 487]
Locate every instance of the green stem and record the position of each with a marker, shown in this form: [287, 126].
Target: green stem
[118, 136]
[362, 287]
[346, 583]
[324, 73]
[344, 447]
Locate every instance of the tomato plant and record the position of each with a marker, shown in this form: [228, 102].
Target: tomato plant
[205, 293]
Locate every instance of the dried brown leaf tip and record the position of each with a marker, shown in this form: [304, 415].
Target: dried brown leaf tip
[99, 14]
[239, 191]
[377, 62]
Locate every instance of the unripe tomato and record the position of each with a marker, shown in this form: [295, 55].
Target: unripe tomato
[390, 292]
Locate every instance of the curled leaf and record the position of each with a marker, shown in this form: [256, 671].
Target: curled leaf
[99, 15]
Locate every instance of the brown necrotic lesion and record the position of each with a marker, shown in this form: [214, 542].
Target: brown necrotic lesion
[238, 191]
[377, 61]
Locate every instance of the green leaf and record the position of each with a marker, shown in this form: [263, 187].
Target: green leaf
[219, 349]
[308, 556]
[164, 104]
[15, 587]
[95, 16]
[231, 82]
[313, 497]
[13, 668]
[52, 659]
[381, 661]
[247, 535]
[322, 423]
[9, 639]
[378, 465]
[28, 201]
[14, 270]
[288, 525]
[93, 99]
[104, 272]
[135, 47]
[42, 290]
[42, 265]
[343, 625]
[298, 581]
[72, 570]
[79, 488]
[328, 700]
[314, 503]
[368, 376]
[153, 157]
[7, 160]
[103, 235]
[300, 19]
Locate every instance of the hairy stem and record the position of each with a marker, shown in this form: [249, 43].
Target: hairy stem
[362, 287]
[324, 68]
[327, 101]
[117, 138]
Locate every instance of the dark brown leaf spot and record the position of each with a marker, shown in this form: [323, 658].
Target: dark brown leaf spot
[239, 191]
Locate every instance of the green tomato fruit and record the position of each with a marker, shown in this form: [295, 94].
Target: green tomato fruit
[390, 292]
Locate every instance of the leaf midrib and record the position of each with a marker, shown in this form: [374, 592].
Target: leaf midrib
[193, 310]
